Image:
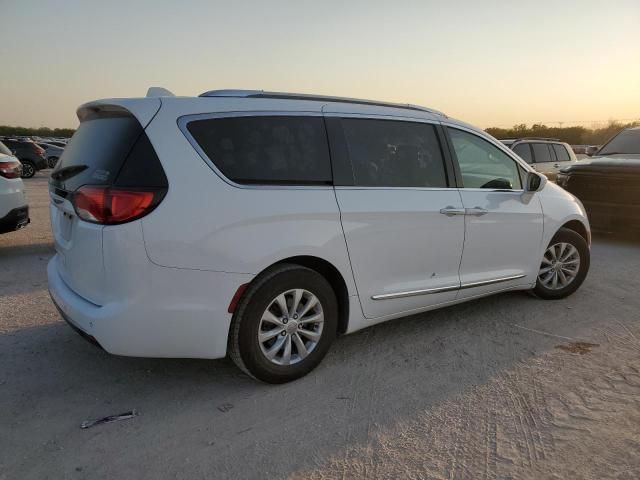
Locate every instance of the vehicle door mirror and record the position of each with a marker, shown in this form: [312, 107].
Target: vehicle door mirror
[591, 151]
[534, 182]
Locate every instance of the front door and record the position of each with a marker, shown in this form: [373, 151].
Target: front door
[403, 224]
[503, 223]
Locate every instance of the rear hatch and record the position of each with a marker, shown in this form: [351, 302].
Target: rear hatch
[109, 149]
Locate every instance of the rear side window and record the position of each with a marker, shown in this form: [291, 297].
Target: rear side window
[561, 152]
[286, 150]
[109, 150]
[542, 153]
[523, 150]
[388, 153]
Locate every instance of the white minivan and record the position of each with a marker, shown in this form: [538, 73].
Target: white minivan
[260, 225]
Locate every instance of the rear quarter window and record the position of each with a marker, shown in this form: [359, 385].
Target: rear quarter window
[287, 150]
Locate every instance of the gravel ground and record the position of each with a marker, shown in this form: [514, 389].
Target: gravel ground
[504, 387]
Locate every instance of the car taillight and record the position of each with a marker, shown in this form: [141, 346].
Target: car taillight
[11, 169]
[112, 205]
[39, 151]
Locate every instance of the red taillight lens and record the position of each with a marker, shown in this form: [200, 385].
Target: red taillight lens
[12, 169]
[40, 151]
[108, 206]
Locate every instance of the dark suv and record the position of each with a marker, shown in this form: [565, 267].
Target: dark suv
[30, 155]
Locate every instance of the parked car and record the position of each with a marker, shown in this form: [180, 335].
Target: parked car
[52, 152]
[261, 225]
[546, 155]
[609, 183]
[30, 155]
[14, 211]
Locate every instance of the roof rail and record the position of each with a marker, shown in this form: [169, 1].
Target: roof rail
[533, 138]
[318, 98]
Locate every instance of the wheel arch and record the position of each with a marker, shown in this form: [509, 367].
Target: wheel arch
[331, 274]
[580, 228]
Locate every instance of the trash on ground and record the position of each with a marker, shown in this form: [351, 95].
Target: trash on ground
[109, 419]
[577, 347]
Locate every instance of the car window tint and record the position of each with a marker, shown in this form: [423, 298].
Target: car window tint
[561, 152]
[627, 141]
[524, 152]
[541, 152]
[389, 153]
[482, 164]
[266, 149]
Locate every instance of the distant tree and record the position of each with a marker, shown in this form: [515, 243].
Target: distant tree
[37, 132]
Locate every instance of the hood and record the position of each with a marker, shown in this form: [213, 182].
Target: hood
[623, 162]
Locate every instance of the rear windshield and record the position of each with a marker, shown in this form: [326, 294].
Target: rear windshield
[96, 152]
[288, 150]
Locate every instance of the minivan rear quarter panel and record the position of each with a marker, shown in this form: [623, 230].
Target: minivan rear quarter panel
[206, 222]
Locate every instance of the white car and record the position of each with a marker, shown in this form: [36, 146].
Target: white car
[14, 211]
[261, 225]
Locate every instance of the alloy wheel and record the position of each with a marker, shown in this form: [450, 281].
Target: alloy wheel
[560, 266]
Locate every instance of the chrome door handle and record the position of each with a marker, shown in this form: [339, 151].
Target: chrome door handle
[451, 211]
[476, 211]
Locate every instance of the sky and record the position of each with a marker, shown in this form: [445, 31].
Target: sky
[491, 63]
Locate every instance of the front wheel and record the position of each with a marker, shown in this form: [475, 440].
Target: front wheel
[284, 324]
[564, 266]
[51, 162]
[28, 169]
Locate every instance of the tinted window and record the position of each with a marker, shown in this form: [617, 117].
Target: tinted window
[267, 150]
[483, 165]
[97, 152]
[542, 152]
[561, 152]
[524, 152]
[387, 153]
[627, 141]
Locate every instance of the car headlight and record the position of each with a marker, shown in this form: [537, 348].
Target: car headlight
[562, 179]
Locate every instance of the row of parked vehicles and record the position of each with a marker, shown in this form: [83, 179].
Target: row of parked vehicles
[34, 155]
[22, 158]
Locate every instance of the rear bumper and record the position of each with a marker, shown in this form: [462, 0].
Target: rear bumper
[176, 314]
[14, 220]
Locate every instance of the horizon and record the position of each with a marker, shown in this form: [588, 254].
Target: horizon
[559, 65]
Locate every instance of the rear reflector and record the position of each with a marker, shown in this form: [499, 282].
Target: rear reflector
[110, 206]
[236, 297]
[11, 169]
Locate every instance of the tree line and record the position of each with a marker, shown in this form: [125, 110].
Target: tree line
[571, 135]
[7, 130]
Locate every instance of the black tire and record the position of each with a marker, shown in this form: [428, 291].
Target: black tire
[244, 347]
[564, 235]
[28, 168]
[51, 162]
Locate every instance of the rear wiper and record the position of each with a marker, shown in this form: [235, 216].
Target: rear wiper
[68, 172]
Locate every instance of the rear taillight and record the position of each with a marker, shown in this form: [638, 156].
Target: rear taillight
[111, 205]
[11, 169]
[40, 151]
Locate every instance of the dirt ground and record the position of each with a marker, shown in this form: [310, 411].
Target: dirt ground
[504, 387]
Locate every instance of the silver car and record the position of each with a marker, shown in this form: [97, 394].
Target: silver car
[546, 155]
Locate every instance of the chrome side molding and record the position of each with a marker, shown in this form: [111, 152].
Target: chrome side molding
[428, 291]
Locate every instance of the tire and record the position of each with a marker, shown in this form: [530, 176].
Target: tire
[51, 162]
[545, 284]
[260, 300]
[28, 168]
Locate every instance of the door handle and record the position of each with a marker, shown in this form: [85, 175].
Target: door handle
[476, 211]
[557, 166]
[451, 211]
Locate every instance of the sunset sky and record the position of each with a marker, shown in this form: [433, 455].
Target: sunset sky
[492, 63]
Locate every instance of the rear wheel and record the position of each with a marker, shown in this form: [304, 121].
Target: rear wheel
[284, 324]
[564, 265]
[28, 169]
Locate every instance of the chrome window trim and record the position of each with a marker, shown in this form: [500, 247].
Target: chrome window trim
[184, 120]
[428, 291]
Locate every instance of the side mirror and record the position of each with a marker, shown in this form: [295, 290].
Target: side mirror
[534, 182]
[591, 150]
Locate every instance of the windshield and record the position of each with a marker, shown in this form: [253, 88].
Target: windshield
[4, 149]
[627, 141]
